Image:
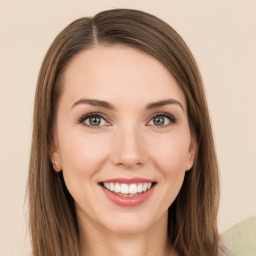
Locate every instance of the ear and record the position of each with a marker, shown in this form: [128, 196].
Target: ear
[54, 153]
[191, 153]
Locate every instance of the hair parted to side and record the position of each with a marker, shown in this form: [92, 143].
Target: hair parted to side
[192, 227]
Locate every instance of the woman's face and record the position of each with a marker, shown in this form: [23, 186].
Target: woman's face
[122, 138]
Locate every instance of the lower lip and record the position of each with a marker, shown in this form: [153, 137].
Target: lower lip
[128, 201]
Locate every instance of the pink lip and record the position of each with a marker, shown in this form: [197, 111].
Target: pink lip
[127, 201]
[128, 181]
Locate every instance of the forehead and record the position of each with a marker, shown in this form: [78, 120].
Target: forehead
[121, 74]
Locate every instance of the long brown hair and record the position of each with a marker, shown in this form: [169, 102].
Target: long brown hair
[192, 228]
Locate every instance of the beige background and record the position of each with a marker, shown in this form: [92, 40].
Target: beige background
[221, 34]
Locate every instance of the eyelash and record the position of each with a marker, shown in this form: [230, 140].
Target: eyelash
[81, 120]
[97, 114]
[171, 118]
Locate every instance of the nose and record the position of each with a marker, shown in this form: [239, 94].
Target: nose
[128, 148]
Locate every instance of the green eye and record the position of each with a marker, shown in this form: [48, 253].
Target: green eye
[162, 120]
[93, 121]
[159, 120]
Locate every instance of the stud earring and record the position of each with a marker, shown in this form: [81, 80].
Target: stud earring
[55, 163]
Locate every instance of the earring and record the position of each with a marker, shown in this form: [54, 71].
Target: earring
[55, 163]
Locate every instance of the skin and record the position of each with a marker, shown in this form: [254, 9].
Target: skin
[126, 144]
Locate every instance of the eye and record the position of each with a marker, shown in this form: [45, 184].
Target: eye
[93, 120]
[162, 120]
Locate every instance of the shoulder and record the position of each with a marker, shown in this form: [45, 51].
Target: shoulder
[223, 250]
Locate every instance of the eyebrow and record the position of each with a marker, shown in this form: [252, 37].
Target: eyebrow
[93, 102]
[107, 105]
[162, 103]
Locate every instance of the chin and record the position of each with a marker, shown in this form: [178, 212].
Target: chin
[128, 228]
[131, 224]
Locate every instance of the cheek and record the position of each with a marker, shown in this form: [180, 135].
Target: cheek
[83, 155]
[81, 160]
[171, 163]
[170, 154]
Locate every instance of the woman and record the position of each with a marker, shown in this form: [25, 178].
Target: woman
[122, 159]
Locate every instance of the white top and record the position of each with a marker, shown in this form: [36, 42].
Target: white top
[223, 250]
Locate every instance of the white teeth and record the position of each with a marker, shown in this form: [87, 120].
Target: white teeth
[107, 185]
[145, 187]
[124, 189]
[117, 188]
[140, 188]
[112, 187]
[133, 189]
[127, 189]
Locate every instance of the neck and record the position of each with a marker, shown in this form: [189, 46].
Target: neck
[98, 241]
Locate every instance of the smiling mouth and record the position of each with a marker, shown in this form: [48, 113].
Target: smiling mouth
[127, 190]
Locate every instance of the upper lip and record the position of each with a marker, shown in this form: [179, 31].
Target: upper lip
[128, 181]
